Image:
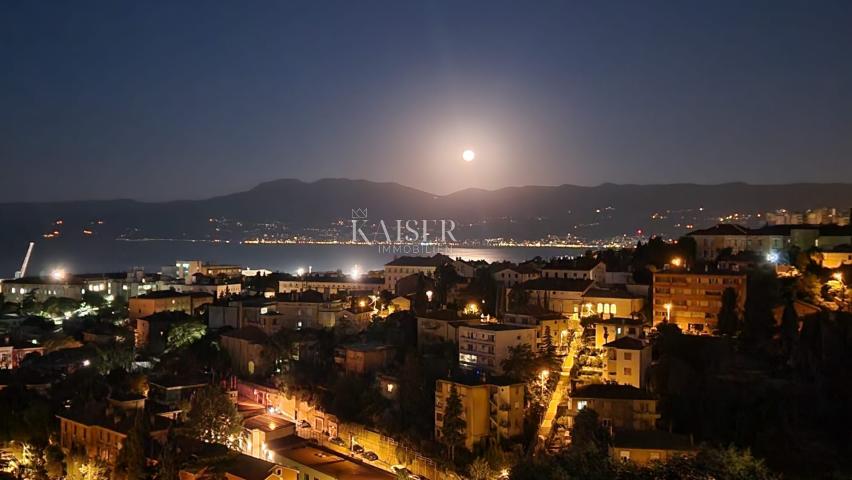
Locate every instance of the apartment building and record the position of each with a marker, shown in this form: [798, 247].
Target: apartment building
[627, 362]
[493, 408]
[485, 346]
[693, 300]
[617, 406]
[166, 301]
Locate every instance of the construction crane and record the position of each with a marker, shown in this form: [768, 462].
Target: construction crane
[23, 270]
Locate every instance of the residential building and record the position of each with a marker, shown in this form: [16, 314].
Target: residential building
[492, 408]
[152, 331]
[514, 274]
[402, 267]
[609, 303]
[693, 300]
[13, 353]
[560, 295]
[170, 393]
[213, 460]
[580, 268]
[42, 288]
[610, 329]
[166, 301]
[547, 324]
[839, 255]
[329, 284]
[646, 446]
[186, 269]
[485, 346]
[363, 358]
[617, 406]
[261, 428]
[627, 362]
[314, 462]
[245, 349]
[101, 434]
[711, 242]
[438, 326]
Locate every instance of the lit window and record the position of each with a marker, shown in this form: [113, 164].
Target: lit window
[581, 404]
[624, 454]
[467, 358]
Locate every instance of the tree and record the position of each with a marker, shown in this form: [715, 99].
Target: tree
[213, 418]
[789, 329]
[479, 469]
[728, 318]
[588, 435]
[133, 454]
[521, 364]
[518, 296]
[184, 334]
[445, 278]
[452, 431]
[94, 300]
[168, 467]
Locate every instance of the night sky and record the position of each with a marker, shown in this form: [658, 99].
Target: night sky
[166, 100]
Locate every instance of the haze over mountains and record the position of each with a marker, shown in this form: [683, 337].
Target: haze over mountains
[527, 212]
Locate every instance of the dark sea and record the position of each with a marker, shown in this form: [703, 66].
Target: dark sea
[106, 255]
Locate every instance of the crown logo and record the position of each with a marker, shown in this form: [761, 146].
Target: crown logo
[359, 213]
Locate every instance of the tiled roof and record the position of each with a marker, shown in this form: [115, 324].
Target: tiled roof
[626, 343]
[557, 284]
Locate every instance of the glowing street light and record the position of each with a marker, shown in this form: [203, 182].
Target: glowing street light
[838, 276]
[429, 294]
[300, 271]
[355, 272]
[677, 261]
[543, 375]
[58, 274]
[668, 311]
[772, 257]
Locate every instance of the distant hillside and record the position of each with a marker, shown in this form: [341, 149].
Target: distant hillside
[520, 212]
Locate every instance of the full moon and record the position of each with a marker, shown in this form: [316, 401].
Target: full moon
[468, 155]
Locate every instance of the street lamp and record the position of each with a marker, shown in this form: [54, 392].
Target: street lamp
[668, 312]
[838, 276]
[429, 295]
[677, 261]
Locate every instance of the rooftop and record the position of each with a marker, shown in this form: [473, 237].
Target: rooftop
[609, 293]
[626, 343]
[498, 327]
[612, 391]
[557, 284]
[332, 464]
[250, 333]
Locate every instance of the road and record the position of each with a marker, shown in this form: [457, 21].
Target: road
[561, 390]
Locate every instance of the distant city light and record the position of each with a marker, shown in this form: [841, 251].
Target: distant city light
[86, 363]
[355, 272]
[300, 271]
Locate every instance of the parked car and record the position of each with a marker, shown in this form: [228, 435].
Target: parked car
[357, 448]
[337, 441]
[371, 456]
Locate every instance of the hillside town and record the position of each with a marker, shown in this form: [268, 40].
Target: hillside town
[693, 357]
